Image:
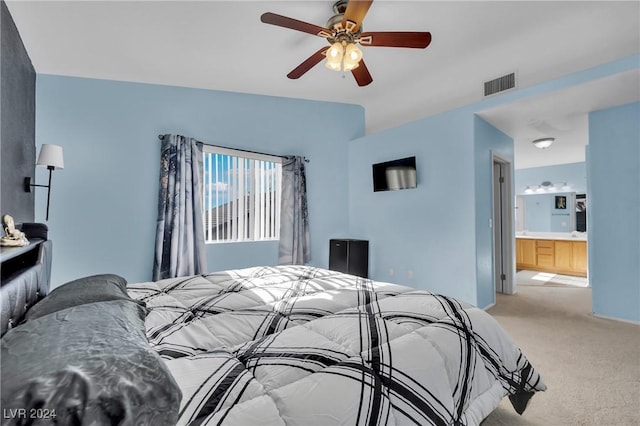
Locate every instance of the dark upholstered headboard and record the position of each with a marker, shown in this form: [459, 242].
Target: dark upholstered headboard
[25, 275]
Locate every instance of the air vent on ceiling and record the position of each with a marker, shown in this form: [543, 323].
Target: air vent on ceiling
[500, 84]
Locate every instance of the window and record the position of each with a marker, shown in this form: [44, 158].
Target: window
[241, 195]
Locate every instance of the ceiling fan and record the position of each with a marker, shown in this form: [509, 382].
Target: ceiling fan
[344, 32]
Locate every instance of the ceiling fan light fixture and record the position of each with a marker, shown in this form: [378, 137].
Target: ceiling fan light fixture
[352, 57]
[345, 28]
[343, 57]
[353, 53]
[348, 66]
[336, 51]
[333, 65]
[543, 143]
[334, 56]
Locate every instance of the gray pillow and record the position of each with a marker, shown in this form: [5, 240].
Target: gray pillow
[88, 364]
[96, 288]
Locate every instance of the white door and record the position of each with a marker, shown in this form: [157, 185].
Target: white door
[503, 240]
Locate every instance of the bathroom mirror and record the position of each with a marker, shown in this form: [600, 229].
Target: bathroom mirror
[551, 212]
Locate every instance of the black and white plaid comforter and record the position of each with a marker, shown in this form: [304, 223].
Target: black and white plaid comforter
[297, 345]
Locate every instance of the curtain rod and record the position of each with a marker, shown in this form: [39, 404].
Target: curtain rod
[306, 160]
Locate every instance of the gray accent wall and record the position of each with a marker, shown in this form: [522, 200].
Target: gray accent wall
[17, 122]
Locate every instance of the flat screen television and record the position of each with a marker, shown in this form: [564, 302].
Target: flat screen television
[396, 174]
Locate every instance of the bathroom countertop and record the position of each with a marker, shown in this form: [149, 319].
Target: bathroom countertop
[569, 236]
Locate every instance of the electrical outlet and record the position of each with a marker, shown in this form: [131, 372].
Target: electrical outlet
[410, 275]
[391, 272]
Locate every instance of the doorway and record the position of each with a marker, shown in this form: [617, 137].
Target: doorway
[503, 237]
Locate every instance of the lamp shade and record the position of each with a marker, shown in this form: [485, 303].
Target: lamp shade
[543, 143]
[51, 156]
[335, 52]
[334, 56]
[352, 57]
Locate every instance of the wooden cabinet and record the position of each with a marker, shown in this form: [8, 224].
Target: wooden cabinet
[545, 253]
[558, 256]
[563, 254]
[571, 257]
[525, 253]
[579, 257]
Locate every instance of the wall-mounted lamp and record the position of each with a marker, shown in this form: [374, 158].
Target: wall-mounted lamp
[50, 156]
[543, 143]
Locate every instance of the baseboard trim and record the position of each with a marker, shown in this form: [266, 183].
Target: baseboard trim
[489, 306]
[616, 319]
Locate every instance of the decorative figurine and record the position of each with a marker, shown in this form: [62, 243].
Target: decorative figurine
[13, 237]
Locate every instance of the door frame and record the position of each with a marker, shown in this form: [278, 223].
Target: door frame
[507, 240]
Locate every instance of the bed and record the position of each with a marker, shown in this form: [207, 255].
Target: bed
[283, 345]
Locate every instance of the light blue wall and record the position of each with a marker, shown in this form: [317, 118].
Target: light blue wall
[614, 211]
[105, 223]
[574, 174]
[488, 141]
[420, 232]
[103, 204]
[435, 237]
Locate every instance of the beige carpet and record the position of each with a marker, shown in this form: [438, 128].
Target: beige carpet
[591, 365]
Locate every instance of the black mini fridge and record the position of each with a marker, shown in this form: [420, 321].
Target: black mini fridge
[349, 256]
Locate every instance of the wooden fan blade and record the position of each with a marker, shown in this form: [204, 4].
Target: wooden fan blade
[309, 63]
[294, 24]
[417, 40]
[361, 74]
[354, 14]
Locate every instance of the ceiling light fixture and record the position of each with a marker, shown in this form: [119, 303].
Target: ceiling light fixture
[343, 56]
[352, 57]
[343, 31]
[543, 143]
[547, 187]
[334, 56]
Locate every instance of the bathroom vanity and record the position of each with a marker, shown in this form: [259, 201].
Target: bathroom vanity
[560, 253]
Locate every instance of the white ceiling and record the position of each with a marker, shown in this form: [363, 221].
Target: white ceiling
[563, 115]
[222, 45]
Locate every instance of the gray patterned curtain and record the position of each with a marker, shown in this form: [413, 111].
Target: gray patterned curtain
[295, 248]
[179, 232]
